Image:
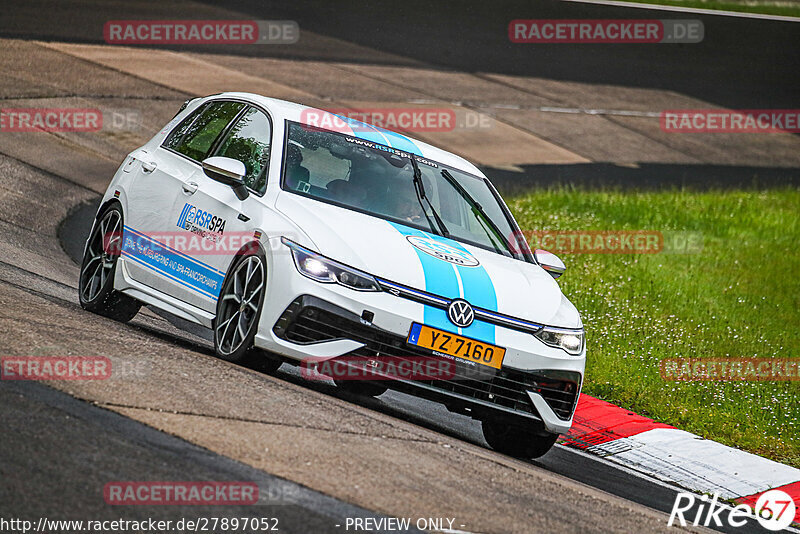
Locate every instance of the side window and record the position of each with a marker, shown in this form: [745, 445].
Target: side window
[249, 142]
[177, 134]
[199, 136]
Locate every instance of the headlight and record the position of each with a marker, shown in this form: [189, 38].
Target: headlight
[568, 340]
[328, 271]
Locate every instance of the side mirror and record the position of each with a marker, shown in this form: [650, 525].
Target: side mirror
[227, 171]
[549, 262]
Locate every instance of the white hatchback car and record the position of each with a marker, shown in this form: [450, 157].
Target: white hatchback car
[300, 240]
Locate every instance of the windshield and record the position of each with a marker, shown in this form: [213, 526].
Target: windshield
[379, 180]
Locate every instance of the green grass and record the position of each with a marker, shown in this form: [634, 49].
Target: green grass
[786, 8]
[739, 297]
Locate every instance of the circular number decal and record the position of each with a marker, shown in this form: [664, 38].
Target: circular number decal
[775, 510]
[443, 251]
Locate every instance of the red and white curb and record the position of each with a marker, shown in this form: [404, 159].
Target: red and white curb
[676, 456]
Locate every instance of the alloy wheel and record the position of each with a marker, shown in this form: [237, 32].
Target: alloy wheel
[102, 252]
[239, 305]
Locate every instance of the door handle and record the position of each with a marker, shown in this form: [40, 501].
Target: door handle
[149, 166]
[189, 188]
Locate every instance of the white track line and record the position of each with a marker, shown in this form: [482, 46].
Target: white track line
[680, 9]
[589, 111]
[546, 109]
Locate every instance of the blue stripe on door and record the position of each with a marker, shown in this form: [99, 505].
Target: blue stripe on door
[172, 264]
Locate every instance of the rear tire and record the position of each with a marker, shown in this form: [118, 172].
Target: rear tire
[96, 283]
[517, 441]
[365, 389]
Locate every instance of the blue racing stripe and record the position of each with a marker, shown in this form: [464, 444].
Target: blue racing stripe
[440, 279]
[168, 275]
[401, 142]
[368, 132]
[364, 131]
[158, 245]
[478, 291]
[172, 264]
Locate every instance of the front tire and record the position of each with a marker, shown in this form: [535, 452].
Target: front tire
[96, 283]
[517, 441]
[239, 310]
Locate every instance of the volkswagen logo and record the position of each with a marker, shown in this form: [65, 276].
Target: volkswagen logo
[460, 313]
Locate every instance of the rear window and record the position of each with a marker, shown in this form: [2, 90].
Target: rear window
[196, 135]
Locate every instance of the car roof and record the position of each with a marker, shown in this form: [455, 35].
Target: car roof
[301, 113]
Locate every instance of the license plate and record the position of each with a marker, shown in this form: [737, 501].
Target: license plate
[462, 347]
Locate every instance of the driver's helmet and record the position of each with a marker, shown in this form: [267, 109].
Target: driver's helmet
[293, 155]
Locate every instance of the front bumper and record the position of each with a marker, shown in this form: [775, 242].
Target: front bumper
[537, 386]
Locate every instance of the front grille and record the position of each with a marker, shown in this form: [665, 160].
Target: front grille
[311, 320]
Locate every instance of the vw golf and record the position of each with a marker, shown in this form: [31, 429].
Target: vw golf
[295, 239]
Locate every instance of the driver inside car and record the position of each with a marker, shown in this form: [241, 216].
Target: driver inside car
[295, 172]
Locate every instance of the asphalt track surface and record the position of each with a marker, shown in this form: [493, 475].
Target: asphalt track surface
[320, 456]
[88, 446]
[570, 463]
[742, 63]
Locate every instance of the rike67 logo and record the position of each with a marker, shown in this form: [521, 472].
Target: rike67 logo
[774, 510]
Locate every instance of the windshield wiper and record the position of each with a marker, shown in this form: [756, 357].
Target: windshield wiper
[481, 215]
[420, 190]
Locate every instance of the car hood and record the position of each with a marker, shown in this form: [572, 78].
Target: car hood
[414, 258]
